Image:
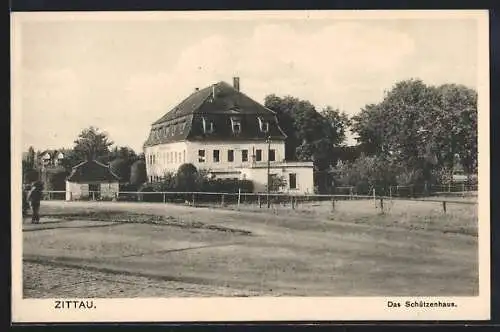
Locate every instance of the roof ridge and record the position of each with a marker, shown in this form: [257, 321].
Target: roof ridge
[113, 173]
[80, 164]
[161, 119]
[99, 163]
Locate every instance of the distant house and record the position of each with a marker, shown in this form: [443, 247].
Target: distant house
[223, 131]
[50, 158]
[91, 180]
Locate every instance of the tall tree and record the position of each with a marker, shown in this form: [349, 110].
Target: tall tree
[421, 127]
[285, 109]
[138, 175]
[30, 158]
[310, 134]
[93, 144]
[123, 152]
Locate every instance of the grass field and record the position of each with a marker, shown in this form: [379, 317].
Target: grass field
[113, 249]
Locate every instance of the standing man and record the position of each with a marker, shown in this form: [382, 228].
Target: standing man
[34, 197]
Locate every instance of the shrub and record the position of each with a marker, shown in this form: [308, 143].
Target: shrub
[367, 172]
[228, 186]
[277, 182]
[187, 178]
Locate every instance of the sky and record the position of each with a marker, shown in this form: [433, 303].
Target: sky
[122, 75]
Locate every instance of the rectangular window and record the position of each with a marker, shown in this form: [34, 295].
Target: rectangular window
[175, 157]
[272, 155]
[201, 156]
[216, 156]
[292, 180]
[208, 126]
[263, 125]
[230, 155]
[236, 126]
[244, 155]
[258, 155]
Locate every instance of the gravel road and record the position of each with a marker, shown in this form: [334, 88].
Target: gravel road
[47, 280]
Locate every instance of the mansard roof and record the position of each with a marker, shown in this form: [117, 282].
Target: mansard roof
[216, 104]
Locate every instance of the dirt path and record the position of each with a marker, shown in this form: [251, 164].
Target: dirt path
[280, 254]
[49, 280]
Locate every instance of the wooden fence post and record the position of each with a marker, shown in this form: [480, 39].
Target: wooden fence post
[259, 201]
[444, 206]
[222, 200]
[292, 202]
[333, 204]
[374, 198]
[381, 205]
[193, 200]
[164, 198]
[239, 197]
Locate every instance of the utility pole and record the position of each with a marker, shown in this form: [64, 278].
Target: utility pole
[268, 141]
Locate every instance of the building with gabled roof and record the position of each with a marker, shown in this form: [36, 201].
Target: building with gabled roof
[222, 130]
[91, 180]
[48, 158]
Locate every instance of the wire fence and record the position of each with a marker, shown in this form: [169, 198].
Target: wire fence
[381, 201]
[411, 191]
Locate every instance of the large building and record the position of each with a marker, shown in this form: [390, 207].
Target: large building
[225, 132]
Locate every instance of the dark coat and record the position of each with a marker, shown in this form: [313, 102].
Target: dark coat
[35, 194]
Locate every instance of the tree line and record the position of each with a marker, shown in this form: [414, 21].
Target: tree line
[417, 133]
[90, 144]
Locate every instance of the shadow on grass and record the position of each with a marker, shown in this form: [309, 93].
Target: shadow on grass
[71, 227]
[121, 217]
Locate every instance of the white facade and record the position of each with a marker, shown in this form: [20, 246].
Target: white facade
[211, 156]
[164, 158]
[298, 176]
[248, 160]
[78, 191]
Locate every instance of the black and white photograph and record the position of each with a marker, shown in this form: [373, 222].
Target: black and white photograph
[239, 166]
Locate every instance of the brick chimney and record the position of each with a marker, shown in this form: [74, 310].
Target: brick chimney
[236, 83]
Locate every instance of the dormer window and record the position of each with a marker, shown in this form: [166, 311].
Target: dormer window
[263, 125]
[208, 126]
[236, 125]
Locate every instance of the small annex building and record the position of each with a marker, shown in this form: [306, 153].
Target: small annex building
[92, 180]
